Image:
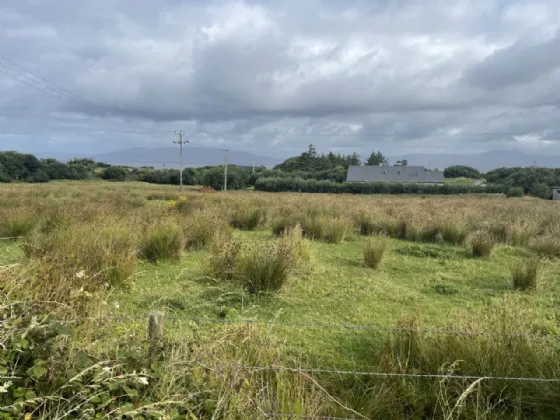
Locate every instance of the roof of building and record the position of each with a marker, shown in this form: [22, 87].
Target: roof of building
[393, 174]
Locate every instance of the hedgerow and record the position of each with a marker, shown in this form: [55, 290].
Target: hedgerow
[314, 186]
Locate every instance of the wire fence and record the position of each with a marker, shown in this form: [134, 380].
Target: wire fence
[332, 326]
[316, 371]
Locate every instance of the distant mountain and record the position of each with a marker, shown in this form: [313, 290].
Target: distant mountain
[484, 162]
[192, 157]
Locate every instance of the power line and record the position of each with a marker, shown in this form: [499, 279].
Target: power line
[77, 99]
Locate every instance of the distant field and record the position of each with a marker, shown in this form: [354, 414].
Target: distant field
[108, 254]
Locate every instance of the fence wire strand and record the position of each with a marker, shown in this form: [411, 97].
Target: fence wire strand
[341, 326]
[385, 374]
[303, 416]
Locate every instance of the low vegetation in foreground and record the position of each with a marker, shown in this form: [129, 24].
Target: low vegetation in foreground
[83, 264]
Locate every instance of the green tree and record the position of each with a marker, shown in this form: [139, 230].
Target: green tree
[461, 171]
[114, 173]
[541, 191]
[377, 159]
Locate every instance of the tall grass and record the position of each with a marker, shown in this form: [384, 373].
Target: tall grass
[481, 245]
[264, 267]
[161, 243]
[222, 261]
[525, 274]
[374, 250]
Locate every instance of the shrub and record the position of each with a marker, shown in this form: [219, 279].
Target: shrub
[524, 275]
[374, 250]
[429, 234]
[161, 243]
[114, 173]
[481, 244]
[541, 191]
[515, 192]
[222, 261]
[264, 267]
[38, 177]
[335, 231]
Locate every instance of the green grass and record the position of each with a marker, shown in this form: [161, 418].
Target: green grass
[341, 290]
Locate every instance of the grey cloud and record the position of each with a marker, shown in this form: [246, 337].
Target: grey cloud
[521, 63]
[401, 75]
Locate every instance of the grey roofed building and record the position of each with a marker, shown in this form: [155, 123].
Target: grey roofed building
[394, 174]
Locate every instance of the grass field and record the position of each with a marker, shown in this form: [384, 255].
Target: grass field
[108, 254]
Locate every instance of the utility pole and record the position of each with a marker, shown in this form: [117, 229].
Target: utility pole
[225, 167]
[181, 133]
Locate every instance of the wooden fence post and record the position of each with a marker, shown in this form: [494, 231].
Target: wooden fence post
[155, 326]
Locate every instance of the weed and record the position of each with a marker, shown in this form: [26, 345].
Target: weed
[374, 250]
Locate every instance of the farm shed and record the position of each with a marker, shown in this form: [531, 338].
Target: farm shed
[405, 174]
[556, 193]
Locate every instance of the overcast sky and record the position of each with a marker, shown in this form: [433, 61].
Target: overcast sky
[271, 76]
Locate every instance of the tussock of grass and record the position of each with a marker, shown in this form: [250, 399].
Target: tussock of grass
[164, 196]
[298, 249]
[367, 225]
[525, 274]
[374, 250]
[507, 356]
[546, 245]
[247, 219]
[107, 254]
[222, 261]
[283, 224]
[15, 225]
[162, 243]
[481, 245]
[199, 228]
[314, 227]
[265, 267]
[336, 230]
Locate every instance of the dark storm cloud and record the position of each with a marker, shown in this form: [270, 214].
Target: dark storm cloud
[271, 75]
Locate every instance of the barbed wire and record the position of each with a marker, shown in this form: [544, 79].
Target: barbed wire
[340, 326]
[303, 416]
[316, 325]
[387, 374]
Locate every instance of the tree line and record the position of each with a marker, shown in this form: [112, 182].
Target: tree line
[309, 166]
